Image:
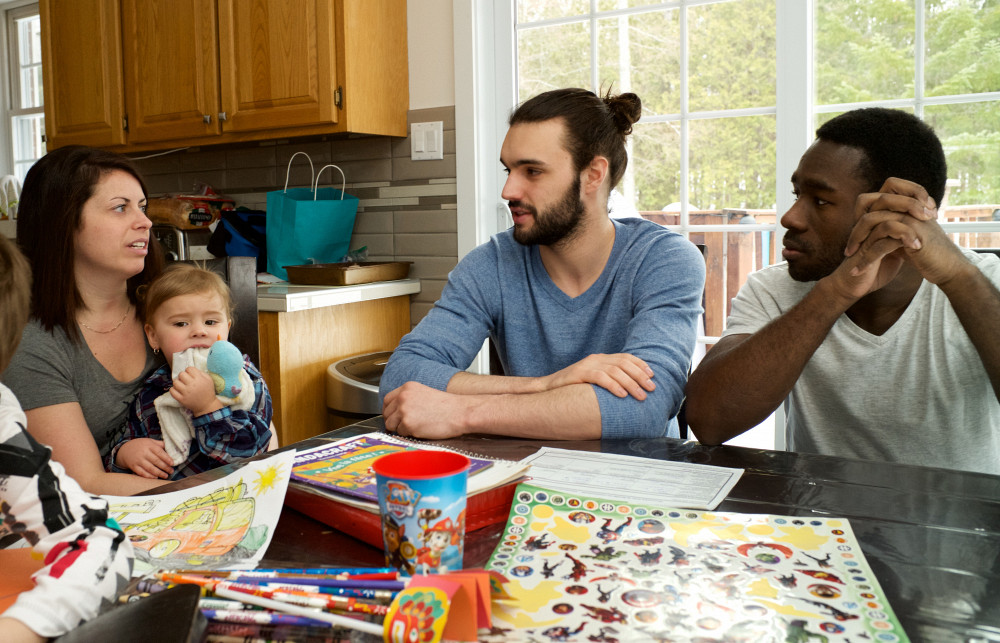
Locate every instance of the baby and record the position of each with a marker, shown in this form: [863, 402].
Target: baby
[187, 420]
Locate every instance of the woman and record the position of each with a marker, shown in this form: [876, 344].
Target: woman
[83, 357]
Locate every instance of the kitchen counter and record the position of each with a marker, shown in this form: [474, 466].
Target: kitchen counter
[304, 329]
[285, 297]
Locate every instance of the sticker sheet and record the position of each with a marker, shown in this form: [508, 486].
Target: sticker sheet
[585, 569]
[223, 524]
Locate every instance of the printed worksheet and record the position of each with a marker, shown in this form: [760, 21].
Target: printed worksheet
[632, 479]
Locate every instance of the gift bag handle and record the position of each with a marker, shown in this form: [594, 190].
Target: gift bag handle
[343, 181]
[312, 170]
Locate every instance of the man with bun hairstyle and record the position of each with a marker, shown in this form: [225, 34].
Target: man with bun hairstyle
[594, 319]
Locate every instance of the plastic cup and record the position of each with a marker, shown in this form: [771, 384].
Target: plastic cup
[421, 499]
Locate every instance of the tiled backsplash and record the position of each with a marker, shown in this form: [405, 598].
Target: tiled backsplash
[407, 209]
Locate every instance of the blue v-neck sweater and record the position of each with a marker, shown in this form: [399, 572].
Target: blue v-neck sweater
[646, 302]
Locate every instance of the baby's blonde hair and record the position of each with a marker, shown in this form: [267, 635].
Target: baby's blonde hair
[15, 298]
[179, 279]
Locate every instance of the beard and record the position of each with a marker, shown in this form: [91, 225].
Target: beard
[823, 260]
[559, 223]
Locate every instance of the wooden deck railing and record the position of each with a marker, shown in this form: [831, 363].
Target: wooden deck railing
[730, 256]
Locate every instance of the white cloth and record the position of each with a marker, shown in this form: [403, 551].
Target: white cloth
[917, 394]
[175, 420]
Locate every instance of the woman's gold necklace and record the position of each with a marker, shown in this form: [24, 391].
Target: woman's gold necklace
[117, 326]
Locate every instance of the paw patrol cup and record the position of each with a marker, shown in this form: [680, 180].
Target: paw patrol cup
[421, 498]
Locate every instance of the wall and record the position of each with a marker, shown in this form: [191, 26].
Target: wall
[407, 208]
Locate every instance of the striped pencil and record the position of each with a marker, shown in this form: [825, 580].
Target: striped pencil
[295, 597]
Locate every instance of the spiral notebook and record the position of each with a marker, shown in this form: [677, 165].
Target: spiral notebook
[334, 484]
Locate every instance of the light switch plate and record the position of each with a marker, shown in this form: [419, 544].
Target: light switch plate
[427, 141]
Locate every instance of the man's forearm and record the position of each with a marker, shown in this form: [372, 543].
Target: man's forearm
[976, 303]
[465, 383]
[565, 413]
[737, 387]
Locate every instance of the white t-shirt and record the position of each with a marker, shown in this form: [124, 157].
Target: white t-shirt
[918, 394]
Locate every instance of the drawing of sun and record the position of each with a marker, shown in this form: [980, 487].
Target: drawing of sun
[266, 478]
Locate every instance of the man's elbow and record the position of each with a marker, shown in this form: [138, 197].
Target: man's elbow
[703, 421]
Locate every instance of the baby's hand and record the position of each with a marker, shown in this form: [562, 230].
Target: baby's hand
[145, 457]
[195, 390]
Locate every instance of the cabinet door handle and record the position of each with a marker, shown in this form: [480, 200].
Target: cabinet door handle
[207, 118]
[222, 116]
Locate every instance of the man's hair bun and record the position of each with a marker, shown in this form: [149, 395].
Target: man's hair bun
[625, 110]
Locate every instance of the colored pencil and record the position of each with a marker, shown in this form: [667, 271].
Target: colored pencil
[382, 576]
[306, 599]
[309, 571]
[223, 604]
[380, 595]
[260, 617]
[332, 619]
[391, 585]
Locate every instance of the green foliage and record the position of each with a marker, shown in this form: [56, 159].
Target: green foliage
[865, 51]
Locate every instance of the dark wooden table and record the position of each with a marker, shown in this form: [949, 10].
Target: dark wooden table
[932, 536]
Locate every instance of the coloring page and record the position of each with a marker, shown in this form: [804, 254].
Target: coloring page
[223, 524]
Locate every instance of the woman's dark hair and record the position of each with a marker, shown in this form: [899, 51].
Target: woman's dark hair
[595, 126]
[55, 190]
[895, 143]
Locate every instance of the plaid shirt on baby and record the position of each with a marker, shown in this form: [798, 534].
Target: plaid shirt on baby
[221, 436]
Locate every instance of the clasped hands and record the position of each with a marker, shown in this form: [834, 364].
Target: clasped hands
[897, 225]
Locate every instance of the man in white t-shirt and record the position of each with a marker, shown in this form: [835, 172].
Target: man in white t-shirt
[879, 333]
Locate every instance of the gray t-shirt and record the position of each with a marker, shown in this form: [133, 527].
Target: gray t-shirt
[48, 368]
[917, 394]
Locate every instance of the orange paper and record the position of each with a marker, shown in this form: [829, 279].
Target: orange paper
[481, 591]
[18, 565]
[469, 595]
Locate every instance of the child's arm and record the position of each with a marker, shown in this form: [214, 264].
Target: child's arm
[145, 457]
[228, 434]
[88, 560]
[140, 450]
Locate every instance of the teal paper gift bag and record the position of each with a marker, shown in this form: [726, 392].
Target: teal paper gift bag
[308, 225]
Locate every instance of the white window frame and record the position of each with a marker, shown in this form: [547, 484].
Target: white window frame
[9, 82]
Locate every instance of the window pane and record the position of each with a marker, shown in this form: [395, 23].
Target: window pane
[29, 40]
[655, 164]
[729, 258]
[28, 132]
[29, 63]
[732, 163]
[963, 47]
[970, 134]
[553, 57]
[533, 10]
[875, 37]
[732, 62]
[641, 53]
[611, 5]
[31, 87]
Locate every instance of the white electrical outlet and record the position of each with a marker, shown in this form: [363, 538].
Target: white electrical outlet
[427, 141]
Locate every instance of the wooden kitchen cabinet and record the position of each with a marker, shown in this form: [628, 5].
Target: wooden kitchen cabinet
[193, 72]
[82, 73]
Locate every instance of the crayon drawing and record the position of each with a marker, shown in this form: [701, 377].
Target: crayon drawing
[585, 569]
[226, 523]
